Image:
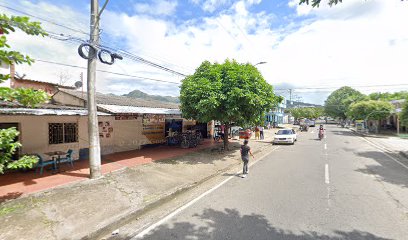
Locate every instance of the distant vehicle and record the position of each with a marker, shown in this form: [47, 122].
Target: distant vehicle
[287, 136]
[312, 123]
[245, 134]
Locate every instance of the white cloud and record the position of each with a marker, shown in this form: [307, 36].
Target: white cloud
[158, 7]
[354, 43]
[212, 5]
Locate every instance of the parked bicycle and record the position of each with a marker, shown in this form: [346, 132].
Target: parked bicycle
[189, 139]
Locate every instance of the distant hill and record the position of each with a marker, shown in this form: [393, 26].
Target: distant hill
[142, 95]
[294, 104]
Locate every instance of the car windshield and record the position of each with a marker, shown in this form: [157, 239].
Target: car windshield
[284, 132]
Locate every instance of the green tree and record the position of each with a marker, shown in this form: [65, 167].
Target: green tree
[27, 97]
[296, 112]
[230, 93]
[404, 114]
[307, 112]
[8, 147]
[339, 101]
[316, 3]
[370, 110]
[388, 96]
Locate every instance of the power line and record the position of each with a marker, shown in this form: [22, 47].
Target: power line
[356, 86]
[140, 59]
[70, 38]
[104, 71]
[43, 19]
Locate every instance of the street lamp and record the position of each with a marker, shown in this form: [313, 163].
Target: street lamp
[260, 63]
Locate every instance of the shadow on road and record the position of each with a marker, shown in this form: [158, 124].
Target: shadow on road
[344, 133]
[387, 170]
[230, 224]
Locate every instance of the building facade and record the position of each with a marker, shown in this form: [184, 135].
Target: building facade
[277, 114]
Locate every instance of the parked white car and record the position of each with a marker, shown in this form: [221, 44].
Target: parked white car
[287, 136]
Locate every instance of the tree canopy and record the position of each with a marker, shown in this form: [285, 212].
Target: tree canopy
[26, 97]
[339, 101]
[316, 3]
[404, 115]
[10, 24]
[230, 93]
[308, 112]
[371, 109]
[386, 96]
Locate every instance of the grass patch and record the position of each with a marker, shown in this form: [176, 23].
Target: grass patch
[7, 210]
[404, 136]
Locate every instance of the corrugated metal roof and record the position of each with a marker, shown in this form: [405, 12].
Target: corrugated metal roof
[110, 99]
[9, 104]
[42, 111]
[50, 83]
[131, 109]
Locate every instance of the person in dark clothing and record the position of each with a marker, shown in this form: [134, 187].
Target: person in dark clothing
[245, 151]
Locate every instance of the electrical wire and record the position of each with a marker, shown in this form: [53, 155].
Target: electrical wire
[43, 19]
[104, 71]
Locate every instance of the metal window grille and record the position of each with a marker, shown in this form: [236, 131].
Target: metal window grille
[70, 132]
[63, 133]
[55, 133]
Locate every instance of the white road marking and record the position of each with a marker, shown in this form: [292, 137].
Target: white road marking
[312, 132]
[325, 146]
[384, 151]
[177, 211]
[326, 174]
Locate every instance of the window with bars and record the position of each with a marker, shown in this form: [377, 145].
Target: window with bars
[62, 133]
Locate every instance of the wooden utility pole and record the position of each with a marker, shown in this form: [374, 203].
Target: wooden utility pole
[93, 131]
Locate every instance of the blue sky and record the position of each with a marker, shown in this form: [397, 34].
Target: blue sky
[359, 42]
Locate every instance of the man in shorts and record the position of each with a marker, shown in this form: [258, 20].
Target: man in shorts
[245, 151]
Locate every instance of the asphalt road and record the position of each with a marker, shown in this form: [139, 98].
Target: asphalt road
[338, 188]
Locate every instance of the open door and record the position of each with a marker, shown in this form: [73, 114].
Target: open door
[9, 125]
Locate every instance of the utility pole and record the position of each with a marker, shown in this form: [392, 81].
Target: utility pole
[290, 95]
[93, 130]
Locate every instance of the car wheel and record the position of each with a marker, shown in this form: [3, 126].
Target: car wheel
[293, 142]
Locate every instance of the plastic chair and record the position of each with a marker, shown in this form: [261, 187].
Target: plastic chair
[69, 158]
[42, 163]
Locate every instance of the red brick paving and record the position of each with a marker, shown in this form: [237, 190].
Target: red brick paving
[15, 184]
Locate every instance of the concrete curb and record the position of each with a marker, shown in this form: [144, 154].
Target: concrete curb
[126, 218]
[401, 153]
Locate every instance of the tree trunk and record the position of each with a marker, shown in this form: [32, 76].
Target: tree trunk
[226, 134]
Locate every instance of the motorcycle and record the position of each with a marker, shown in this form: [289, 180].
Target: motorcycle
[304, 128]
[321, 134]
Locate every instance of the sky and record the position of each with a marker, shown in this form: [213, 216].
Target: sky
[313, 51]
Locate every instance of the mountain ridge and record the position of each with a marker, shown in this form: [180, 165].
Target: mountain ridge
[139, 94]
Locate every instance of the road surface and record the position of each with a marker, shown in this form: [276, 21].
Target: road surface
[341, 187]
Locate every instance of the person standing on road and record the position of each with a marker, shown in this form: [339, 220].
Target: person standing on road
[257, 133]
[261, 132]
[245, 151]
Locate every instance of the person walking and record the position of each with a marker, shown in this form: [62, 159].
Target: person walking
[245, 151]
[261, 132]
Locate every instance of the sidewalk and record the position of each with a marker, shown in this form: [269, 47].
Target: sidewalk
[391, 143]
[80, 208]
[16, 184]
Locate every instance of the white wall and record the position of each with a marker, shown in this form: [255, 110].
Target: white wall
[128, 135]
[34, 133]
